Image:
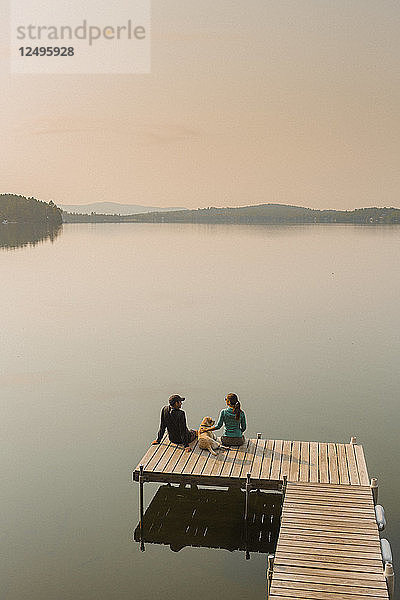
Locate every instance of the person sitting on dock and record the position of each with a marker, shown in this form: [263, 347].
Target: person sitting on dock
[174, 420]
[234, 420]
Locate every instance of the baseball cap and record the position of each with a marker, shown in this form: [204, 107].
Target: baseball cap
[175, 398]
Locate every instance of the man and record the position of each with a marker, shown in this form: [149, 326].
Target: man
[174, 420]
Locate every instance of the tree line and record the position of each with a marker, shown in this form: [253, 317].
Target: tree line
[19, 209]
[262, 213]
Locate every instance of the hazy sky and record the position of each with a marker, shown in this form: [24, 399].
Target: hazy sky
[255, 101]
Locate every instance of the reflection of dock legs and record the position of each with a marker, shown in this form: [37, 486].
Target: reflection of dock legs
[246, 517]
[210, 518]
[270, 563]
[141, 504]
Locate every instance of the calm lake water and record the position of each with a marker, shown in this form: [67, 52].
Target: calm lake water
[102, 323]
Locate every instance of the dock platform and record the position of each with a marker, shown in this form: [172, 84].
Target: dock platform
[328, 544]
[267, 461]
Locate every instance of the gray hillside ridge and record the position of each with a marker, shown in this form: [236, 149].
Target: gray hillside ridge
[115, 208]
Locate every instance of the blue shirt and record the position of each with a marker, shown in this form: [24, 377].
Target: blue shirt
[233, 427]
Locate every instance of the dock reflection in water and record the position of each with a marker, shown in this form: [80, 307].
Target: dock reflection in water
[211, 518]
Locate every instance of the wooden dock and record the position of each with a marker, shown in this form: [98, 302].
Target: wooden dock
[328, 545]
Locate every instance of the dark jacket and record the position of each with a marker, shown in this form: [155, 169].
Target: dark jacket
[174, 420]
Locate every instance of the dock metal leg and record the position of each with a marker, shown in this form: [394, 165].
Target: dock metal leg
[141, 507]
[389, 575]
[374, 488]
[284, 486]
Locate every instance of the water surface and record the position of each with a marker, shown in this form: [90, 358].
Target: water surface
[100, 325]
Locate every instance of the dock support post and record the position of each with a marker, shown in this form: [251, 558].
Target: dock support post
[270, 568]
[353, 440]
[374, 488]
[141, 506]
[389, 575]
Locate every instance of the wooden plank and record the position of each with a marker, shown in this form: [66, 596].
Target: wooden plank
[324, 526]
[314, 467]
[295, 462]
[290, 542]
[356, 552]
[362, 512]
[330, 545]
[284, 594]
[304, 595]
[330, 523]
[219, 463]
[239, 458]
[335, 555]
[342, 463]
[304, 536]
[201, 463]
[354, 490]
[359, 489]
[322, 532]
[248, 458]
[328, 572]
[286, 457]
[167, 457]
[267, 461]
[322, 511]
[276, 460]
[323, 462]
[330, 501]
[304, 461]
[330, 579]
[333, 463]
[362, 465]
[351, 461]
[325, 530]
[153, 462]
[229, 462]
[327, 588]
[258, 459]
[150, 453]
[343, 522]
[353, 561]
[194, 456]
[211, 463]
[360, 504]
[178, 466]
[333, 495]
[340, 567]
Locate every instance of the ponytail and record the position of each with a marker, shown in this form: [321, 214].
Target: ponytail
[234, 403]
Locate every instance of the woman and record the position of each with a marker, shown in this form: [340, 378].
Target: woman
[234, 420]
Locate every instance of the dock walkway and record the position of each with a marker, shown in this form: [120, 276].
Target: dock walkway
[328, 545]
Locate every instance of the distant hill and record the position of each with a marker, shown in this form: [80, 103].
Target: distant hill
[113, 208]
[19, 209]
[261, 213]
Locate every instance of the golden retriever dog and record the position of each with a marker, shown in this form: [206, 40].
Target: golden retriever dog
[208, 439]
